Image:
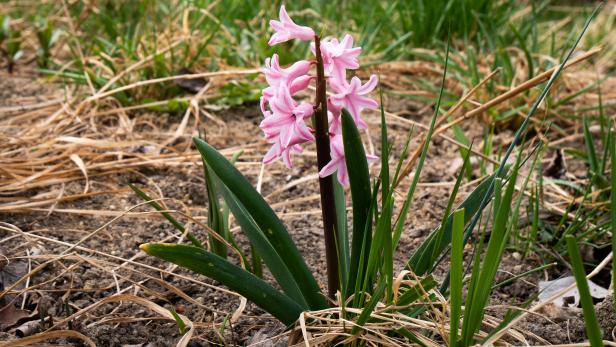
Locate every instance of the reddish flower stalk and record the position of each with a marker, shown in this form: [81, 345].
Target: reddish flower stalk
[326, 184]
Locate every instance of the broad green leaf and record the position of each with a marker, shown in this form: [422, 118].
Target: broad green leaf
[237, 279]
[258, 240]
[267, 221]
[215, 218]
[359, 177]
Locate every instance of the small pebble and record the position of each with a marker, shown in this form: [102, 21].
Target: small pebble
[180, 308]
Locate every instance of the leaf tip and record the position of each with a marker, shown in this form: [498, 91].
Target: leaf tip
[146, 247]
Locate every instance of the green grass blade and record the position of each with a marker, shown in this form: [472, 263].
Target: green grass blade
[478, 297]
[593, 330]
[369, 308]
[450, 202]
[178, 321]
[363, 283]
[342, 235]
[232, 276]
[178, 225]
[359, 178]
[412, 337]
[381, 253]
[424, 152]
[591, 152]
[267, 221]
[412, 294]
[384, 153]
[521, 130]
[421, 264]
[457, 274]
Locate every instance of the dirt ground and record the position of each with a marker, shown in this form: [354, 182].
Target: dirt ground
[66, 280]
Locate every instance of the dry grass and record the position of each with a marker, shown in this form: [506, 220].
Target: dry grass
[82, 135]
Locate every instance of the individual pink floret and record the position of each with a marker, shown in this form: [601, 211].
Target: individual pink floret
[277, 151]
[338, 162]
[286, 29]
[286, 121]
[275, 75]
[338, 57]
[352, 97]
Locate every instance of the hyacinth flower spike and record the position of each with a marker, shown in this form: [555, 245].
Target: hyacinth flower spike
[285, 119]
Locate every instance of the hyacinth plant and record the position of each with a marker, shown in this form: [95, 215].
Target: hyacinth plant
[360, 271]
[289, 124]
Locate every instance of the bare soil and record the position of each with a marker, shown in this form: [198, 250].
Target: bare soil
[73, 279]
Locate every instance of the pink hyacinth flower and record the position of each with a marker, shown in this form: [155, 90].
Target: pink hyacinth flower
[338, 162]
[287, 119]
[352, 97]
[335, 123]
[339, 56]
[287, 30]
[297, 85]
[277, 151]
[275, 75]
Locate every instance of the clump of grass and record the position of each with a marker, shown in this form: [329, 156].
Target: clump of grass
[202, 36]
[47, 36]
[11, 35]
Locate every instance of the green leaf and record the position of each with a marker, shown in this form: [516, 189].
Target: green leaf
[593, 330]
[591, 152]
[384, 225]
[215, 218]
[369, 308]
[342, 235]
[237, 279]
[457, 275]
[450, 202]
[413, 294]
[178, 321]
[384, 151]
[596, 173]
[424, 152]
[479, 293]
[264, 217]
[258, 240]
[359, 177]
